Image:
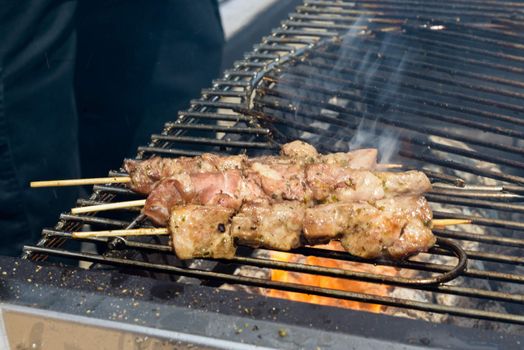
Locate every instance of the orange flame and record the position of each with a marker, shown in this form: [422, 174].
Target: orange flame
[330, 282]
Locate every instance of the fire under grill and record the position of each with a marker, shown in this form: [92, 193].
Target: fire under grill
[437, 87]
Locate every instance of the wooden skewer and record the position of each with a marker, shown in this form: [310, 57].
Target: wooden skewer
[120, 233]
[440, 223]
[165, 230]
[79, 182]
[126, 179]
[109, 206]
[389, 166]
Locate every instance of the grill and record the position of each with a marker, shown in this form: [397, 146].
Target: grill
[437, 87]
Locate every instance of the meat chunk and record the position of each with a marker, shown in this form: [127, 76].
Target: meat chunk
[276, 226]
[394, 227]
[213, 188]
[365, 158]
[412, 182]
[202, 232]
[160, 201]
[299, 150]
[146, 174]
[223, 163]
[221, 188]
[280, 180]
[335, 183]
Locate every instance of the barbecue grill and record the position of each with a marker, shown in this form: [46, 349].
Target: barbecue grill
[437, 87]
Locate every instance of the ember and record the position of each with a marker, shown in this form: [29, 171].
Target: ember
[330, 282]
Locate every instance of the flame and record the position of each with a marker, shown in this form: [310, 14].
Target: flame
[330, 282]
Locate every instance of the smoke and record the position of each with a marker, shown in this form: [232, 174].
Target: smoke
[378, 80]
[380, 88]
[355, 76]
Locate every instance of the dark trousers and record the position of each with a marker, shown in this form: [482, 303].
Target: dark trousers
[139, 62]
[82, 84]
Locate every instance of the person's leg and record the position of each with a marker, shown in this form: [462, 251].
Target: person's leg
[38, 125]
[116, 54]
[139, 62]
[189, 58]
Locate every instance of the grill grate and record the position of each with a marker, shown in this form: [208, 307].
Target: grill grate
[448, 89]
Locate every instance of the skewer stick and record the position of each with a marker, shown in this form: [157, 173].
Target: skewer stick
[126, 179]
[109, 206]
[441, 223]
[78, 182]
[120, 233]
[389, 166]
[165, 231]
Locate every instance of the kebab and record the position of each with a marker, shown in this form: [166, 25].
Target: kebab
[299, 179]
[310, 185]
[144, 175]
[373, 214]
[394, 227]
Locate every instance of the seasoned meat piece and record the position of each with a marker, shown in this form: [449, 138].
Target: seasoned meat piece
[416, 232]
[251, 188]
[214, 188]
[147, 173]
[409, 182]
[275, 226]
[394, 227]
[280, 180]
[221, 188]
[202, 232]
[223, 163]
[325, 222]
[165, 196]
[335, 183]
[359, 159]
[299, 150]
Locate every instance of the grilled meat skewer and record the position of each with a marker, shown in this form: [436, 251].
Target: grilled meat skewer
[146, 174]
[393, 228]
[274, 182]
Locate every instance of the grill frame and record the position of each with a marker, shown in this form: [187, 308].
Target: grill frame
[150, 306]
[237, 93]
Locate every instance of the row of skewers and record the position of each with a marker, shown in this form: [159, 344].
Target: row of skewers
[210, 203]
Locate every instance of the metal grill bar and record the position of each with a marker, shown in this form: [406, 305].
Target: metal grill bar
[349, 114]
[292, 287]
[416, 265]
[414, 64]
[330, 69]
[510, 242]
[458, 6]
[295, 79]
[400, 14]
[287, 83]
[476, 203]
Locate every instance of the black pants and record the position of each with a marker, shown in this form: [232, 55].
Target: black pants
[139, 62]
[136, 64]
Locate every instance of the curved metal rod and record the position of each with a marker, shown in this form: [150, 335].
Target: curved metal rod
[442, 244]
[457, 250]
